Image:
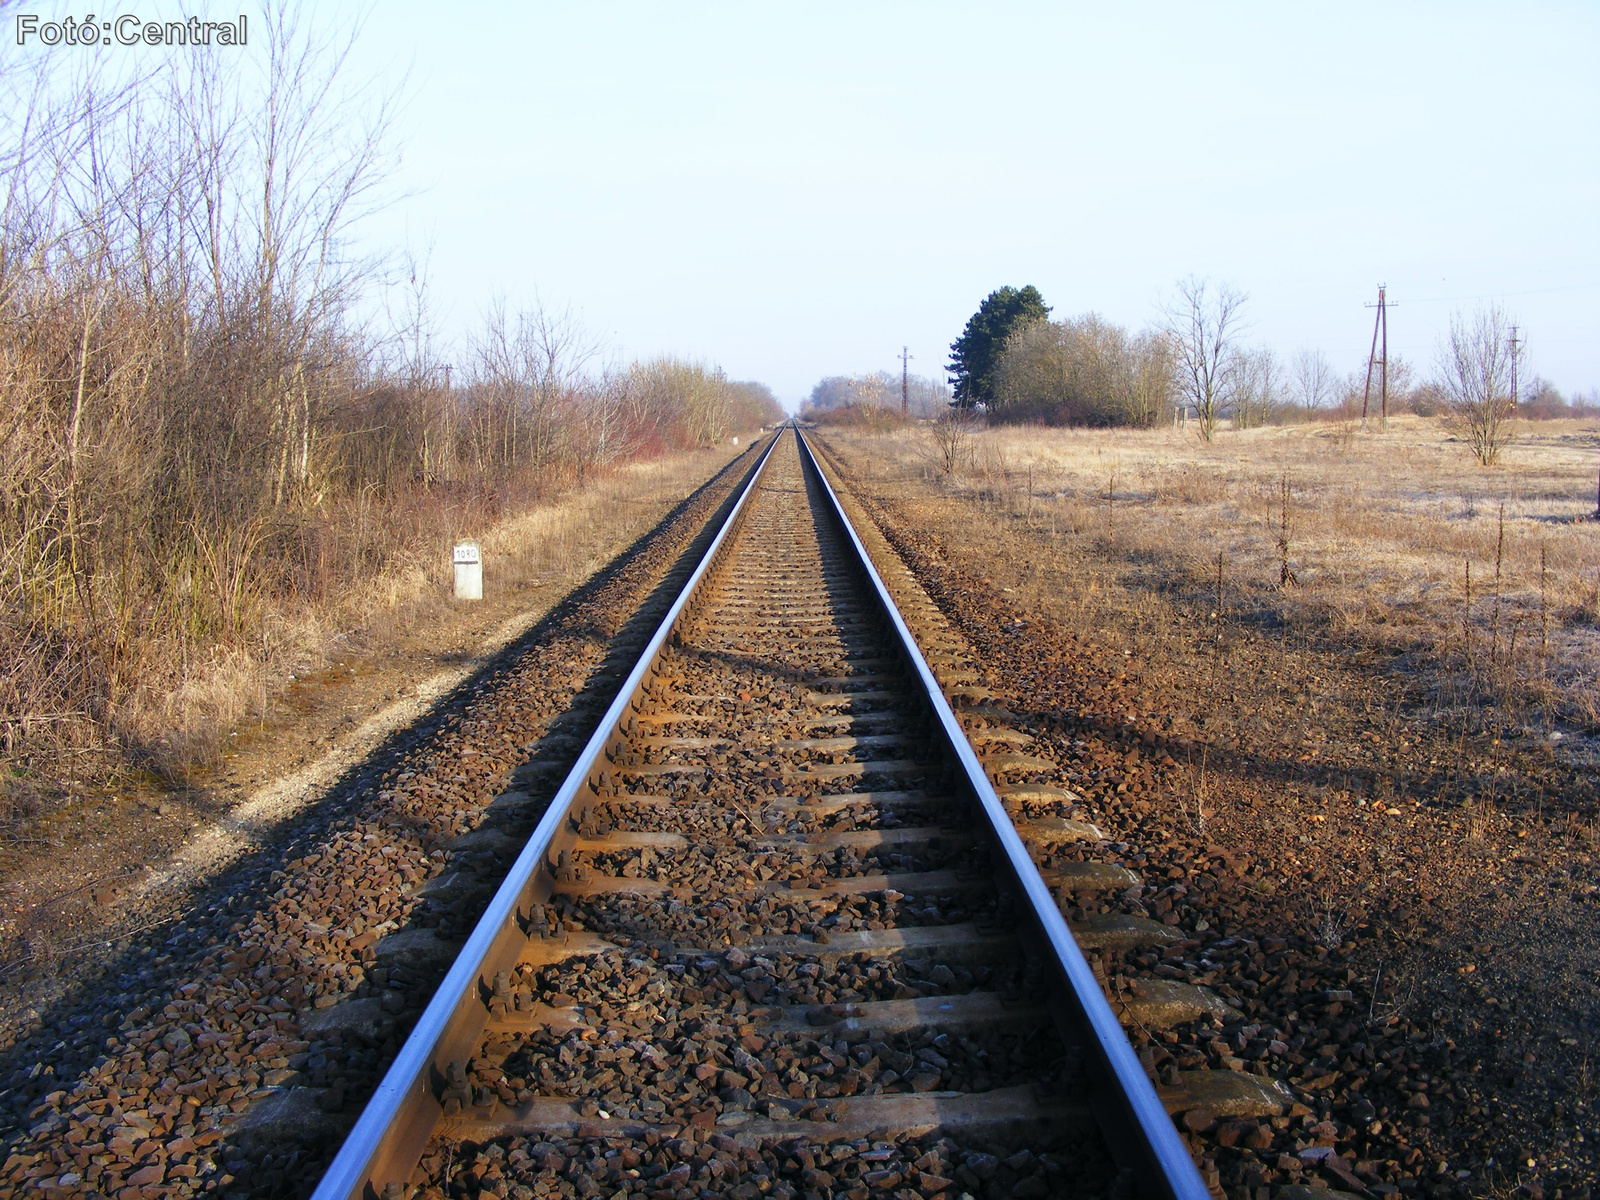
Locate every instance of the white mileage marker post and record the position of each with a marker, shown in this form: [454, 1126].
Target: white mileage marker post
[469, 571]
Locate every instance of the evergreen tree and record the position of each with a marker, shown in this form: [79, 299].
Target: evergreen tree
[976, 353]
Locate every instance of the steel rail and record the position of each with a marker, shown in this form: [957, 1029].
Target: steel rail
[1142, 1135]
[387, 1139]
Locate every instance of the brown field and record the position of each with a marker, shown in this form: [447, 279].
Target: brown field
[1383, 530]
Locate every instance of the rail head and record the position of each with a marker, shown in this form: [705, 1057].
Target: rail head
[408, 1082]
[1135, 1121]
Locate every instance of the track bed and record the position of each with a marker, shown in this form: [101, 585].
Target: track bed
[771, 939]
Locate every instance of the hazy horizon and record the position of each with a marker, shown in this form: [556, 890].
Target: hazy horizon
[794, 194]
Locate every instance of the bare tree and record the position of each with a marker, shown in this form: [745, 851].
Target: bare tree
[1313, 384]
[1203, 326]
[879, 389]
[1474, 366]
[1258, 390]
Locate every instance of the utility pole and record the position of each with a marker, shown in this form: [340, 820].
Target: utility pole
[1514, 345]
[1378, 357]
[1383, 361]
[905, 381]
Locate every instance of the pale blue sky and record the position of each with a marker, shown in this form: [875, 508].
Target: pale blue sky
[797, 190]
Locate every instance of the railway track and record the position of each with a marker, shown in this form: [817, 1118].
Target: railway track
[776, 934]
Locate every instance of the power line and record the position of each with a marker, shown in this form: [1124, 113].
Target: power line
[1576, 287]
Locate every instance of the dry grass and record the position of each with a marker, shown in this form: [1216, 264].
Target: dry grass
[207, 462]
[1382, 533]
[564, 539]
[175, 714]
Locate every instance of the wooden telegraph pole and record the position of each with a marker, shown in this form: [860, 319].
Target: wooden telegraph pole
[1379, 357]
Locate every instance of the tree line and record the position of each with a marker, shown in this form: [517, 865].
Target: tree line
[878, 390]
[201, 422]
[1015, 364]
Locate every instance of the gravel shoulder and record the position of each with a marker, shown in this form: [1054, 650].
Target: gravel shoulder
[1402, 902]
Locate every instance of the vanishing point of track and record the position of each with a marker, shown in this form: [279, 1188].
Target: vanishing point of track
[776, 934]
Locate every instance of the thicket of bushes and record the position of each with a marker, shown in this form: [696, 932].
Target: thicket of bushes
[869, 418]
[200, 435]
[1083, 371]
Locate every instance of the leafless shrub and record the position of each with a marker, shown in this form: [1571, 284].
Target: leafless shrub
[1196, 806]
[953, 435]
[1330, 922]
[1475, 373]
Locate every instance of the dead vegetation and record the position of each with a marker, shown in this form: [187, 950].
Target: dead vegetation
[1486, 584]
[209, 463]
